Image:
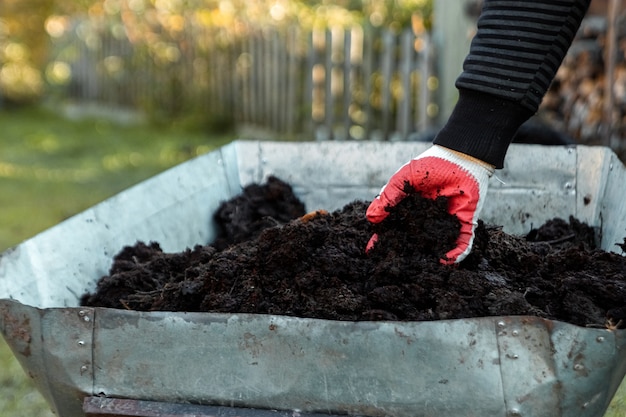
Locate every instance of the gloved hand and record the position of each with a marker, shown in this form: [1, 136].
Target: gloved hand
[440, 171]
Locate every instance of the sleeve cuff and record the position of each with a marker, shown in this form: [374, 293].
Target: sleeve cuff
[483, 126]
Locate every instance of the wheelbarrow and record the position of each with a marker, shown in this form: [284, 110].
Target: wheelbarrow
[90, 362]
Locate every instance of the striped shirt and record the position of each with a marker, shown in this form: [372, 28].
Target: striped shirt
[513, 58]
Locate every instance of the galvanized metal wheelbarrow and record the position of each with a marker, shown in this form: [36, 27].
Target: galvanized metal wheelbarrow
[85, 358]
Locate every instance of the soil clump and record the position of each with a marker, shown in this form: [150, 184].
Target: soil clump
[272, 258]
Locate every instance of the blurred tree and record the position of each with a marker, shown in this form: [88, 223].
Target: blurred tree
[159, 30]
[386, 13]
[23, 48]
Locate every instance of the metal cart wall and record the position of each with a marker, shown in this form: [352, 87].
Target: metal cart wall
[497, 366]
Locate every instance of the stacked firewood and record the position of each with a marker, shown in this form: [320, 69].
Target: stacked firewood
[577, 100]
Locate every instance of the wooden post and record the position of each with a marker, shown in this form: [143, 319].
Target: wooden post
[347, 79]
[309, 84]
[329, 119]
[424, 66]
[453, 30]
[368, 70]
[405, 124]
[387, 68]
[292, 90]
[609, 76]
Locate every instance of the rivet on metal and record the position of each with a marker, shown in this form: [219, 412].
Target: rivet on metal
[514, 412]
[81, 343]
[515, 333]
[82, 313]
[83, 368]
[501, 324]
[600, 339]
[611, 166]
[86, 318]
[568, 186]
[579, 367]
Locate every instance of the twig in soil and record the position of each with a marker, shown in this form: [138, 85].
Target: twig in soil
[609, 325]
[311, 215]
[141, 297]
[555, 241]
[493, 227]
[234, 285]
[613, 326]
[149, 293]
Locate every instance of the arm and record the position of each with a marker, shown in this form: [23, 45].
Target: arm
[513, 59]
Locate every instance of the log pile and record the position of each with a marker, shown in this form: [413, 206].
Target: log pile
[576, 101]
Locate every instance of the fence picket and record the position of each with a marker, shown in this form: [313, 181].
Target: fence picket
[346, 69]
[329, 105]
[386, 79]
[367, 80]
[292, 97]
[423, 63]
[404, 102]
[335, 83]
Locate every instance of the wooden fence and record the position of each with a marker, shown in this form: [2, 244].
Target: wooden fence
[328, 84]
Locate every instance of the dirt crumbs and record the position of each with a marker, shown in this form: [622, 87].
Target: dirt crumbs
[270, 259]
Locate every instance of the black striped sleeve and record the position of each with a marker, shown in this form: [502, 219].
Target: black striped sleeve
[519, 46]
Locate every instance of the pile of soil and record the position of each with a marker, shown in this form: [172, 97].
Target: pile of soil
[271, 258]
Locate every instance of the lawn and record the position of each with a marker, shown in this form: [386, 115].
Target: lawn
[52, 168]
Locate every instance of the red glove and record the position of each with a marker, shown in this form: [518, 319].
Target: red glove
[440, 171]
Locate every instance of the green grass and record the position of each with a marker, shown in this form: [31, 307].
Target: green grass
[618, 405]
[51, 168]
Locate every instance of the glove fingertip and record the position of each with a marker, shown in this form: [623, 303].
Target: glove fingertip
[376, 212]
[457, 254]
[449, 259]
[371, 243]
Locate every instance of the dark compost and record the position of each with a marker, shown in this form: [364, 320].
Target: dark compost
[271, 257]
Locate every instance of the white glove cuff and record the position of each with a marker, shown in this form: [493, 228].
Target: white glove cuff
[480, 170]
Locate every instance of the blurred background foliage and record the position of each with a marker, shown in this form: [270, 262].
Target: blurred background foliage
[52, 168]
[156, 28]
